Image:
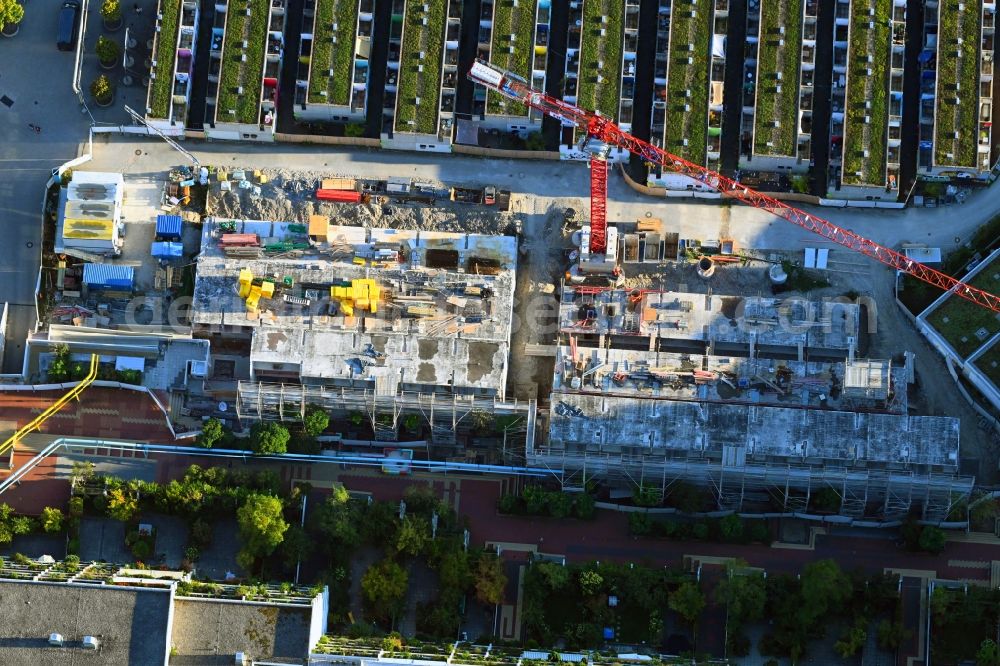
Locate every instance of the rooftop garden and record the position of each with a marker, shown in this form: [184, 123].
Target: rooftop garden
[964, 623]
[601, 57]
[778, 52]
[964, 325]
[285, 593]
[989, 364]
[238, 72]
[420, 67]
[866, 109]
[164, 54]
[518, 21]
[687, 82]
[327, 55]
[958, 77]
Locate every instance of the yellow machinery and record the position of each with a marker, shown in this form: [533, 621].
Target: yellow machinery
[37, 422]
[361, 294]
[253, 293]
[246, 281]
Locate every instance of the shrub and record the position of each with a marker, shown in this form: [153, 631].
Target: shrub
[101, 89]
[269, 438]
[141, 549]
[72, 562]
[731, 527]
[111, 11]
[583, 507]
[11, 13]
[211, 433]
[509, 503]
[700, 530]
[316, 421]
[52, 519]
[107, 50]
[76, 506]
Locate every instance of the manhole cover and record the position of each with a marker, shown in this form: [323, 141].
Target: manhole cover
[138, 152]
[30, 244]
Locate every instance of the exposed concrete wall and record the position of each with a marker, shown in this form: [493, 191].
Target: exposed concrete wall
[327, 140]
[506, 154]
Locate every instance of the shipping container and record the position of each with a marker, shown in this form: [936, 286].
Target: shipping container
[108, 276]
[167, 250]
[345, 196]
[168, 227]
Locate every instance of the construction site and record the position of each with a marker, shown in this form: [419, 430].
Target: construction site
[457, 321]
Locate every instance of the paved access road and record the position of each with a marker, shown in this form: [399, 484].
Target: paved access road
[35, 88]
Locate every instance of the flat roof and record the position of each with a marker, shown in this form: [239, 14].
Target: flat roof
[516, 19]
[598, 423]
[657, 374]
[419, 69]
[601, 45]
[957, 94]
[965, 325]
[209, 631]
[690, 38]
[785, 322]
[331, 64]
[130, 624]
[242, 74]
[779, 50]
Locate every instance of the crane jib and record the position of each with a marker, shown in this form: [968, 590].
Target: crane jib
[606, 131]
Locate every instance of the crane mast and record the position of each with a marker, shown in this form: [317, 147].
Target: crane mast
[601, 129]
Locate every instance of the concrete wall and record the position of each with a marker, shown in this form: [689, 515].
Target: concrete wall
[327, 140]
[423, 143]
[505, 154]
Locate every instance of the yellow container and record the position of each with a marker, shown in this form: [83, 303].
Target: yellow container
[267, 290]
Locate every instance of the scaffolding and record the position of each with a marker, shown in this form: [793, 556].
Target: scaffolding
[737, 485]
[446, 414]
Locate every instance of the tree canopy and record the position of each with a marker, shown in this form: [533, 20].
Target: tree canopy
[687, 601]
[384, 585]
[315, 421]
[211, 433]
[262, 527]
[490, 579]
[269, 438]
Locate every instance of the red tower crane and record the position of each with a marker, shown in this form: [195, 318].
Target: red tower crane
[597, 128]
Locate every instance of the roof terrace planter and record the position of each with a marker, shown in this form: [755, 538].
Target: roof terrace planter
[866, 105]
[241, 77]
[327, 55]
[779, 50]
[601, 56]
[420, 75]
[518, 21]
[164, 53]
[957, 96]
[964, 325]
[687, 112]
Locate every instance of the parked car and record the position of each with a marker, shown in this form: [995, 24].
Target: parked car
[69, 22]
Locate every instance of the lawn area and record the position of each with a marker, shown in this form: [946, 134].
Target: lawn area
[865, 128]
[236, 73]
[425, 84]
[989, 364]
[166, 52]
[682, 76]
[594, 49]
[775, 57]
[951, 71]
[958, 320]
[519, 21]
[327, 55]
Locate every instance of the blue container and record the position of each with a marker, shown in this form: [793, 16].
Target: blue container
[108, 276]
[167, 250]
[168, 227]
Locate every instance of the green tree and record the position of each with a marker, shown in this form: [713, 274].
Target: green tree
[744, 594]
[337, 519]
[413, 535]
[123, 503]
[490, 579]
[316, 421]
[583, 506]
[421, 499]
[536, 500]
[269, 438]
[852, 640]
[590, 582]
[295, 547]
[988, 654]
[262, 527]
[12, 525]
[688, 602]
[932, 539]
[52, 519]
[211, 433]
[824, 587]
[891, 634]
[384, 585]
[555, 576]
[686, 497]
[560, 504]
[731, 527]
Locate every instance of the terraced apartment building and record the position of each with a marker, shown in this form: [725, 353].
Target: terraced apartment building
[333, 71]
[778, 97]
[870, 50]
[514, 35]
[422, 75]
[247, 44]
[957, 88]
[172, 64]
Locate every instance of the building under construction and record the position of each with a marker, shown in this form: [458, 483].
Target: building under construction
[378, 321]
[768, 425]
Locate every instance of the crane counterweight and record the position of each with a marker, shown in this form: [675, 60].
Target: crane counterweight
[606, 131]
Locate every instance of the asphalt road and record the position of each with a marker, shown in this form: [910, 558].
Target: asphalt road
[35, 88]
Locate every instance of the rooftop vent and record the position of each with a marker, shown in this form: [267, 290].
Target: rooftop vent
[56, 640]
[91, 643]
[240, 659]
